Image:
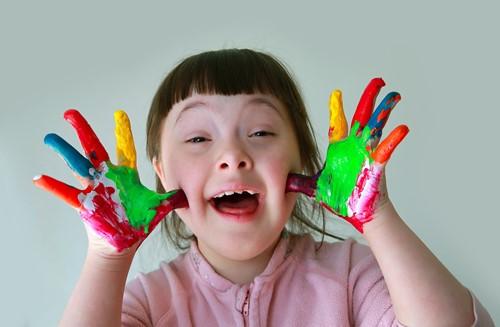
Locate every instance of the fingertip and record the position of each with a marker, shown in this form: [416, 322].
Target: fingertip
[398, 96]
[70, 114]
[403, 130]
[119, 113]
[335, 95]
[121, 118]
[394, 97]
[36, 178]
[51, 139]
[335, 103]
[40, 181]
[377, 82]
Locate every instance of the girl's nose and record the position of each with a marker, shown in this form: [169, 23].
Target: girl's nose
[234, 158]
[226, 165]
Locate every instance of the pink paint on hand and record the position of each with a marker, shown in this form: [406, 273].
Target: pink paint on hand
[106, 217]
[364, 196]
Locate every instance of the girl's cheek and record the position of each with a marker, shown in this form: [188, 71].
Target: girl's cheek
[177, 165]
[190, 177]
[285, 164]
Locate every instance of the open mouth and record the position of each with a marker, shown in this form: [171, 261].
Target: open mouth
[236, 203]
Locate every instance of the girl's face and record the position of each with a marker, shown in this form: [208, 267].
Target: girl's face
[215, 147]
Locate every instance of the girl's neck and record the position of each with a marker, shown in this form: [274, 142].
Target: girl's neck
[238, 271]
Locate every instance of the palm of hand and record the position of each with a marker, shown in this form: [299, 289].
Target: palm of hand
[349, 183]
[118, 207]
[114, 204]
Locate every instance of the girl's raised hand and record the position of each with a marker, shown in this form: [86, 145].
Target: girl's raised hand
[114, 204]
[350, 182]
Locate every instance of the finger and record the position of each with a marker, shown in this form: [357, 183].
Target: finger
[125, 148]
[389, 144]
[381, 114]
[338, 122]
[367, 102]
[78, 163]
[65, 192]
[176, 200]
[91, 145]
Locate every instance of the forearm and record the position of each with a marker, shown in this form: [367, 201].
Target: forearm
[98, 295]
[423, 291]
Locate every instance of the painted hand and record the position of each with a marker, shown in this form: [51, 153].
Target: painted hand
[350, 184]
[113, 204]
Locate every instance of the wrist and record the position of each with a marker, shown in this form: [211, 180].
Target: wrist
[384, 214]
[110, 261]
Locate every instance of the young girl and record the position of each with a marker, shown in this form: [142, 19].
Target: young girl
[229, 134]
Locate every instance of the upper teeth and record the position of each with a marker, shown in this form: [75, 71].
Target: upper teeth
[233, 192]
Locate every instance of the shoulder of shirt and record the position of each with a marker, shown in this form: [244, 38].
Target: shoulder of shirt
[170, 275]
[153, 291]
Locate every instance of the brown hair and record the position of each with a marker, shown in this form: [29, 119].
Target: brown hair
[231, 72]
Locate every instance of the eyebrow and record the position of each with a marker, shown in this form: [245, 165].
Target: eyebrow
[188, 106]
[257, 101]
[265, 101]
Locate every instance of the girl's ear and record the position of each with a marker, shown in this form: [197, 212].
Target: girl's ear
[159, 170]
[157, 167]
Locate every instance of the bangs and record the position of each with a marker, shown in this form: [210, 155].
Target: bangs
[227, 72]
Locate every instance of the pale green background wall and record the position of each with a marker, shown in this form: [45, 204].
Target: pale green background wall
[99, 56]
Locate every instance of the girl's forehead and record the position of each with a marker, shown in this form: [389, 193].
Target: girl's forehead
[217, 101]
[220, 98]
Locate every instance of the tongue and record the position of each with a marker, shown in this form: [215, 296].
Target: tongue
[244, 205]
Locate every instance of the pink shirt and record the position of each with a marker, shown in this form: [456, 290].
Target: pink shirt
[339, 285]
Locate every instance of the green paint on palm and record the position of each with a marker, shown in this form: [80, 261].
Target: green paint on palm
[344, 160]
[138, 201]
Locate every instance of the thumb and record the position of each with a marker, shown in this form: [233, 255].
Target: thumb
[177, 200]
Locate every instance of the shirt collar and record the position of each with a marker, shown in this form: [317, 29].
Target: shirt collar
[209, 276]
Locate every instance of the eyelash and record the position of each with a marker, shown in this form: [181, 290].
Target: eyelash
[201, 139]
[262, 133]
[197, 139]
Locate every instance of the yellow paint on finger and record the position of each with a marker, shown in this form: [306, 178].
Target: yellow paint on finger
[338, 122]
[125, 148]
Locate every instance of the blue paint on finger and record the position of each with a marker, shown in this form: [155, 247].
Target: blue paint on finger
[78, 163]
[381, 114]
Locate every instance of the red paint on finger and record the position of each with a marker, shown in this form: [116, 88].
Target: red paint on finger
[90, 142]
[176, 201]
[367, 102]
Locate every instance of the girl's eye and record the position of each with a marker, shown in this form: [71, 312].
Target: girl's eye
[262, 133]
[197, 139]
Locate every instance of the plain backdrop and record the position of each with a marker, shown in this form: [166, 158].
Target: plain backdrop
[99, 56]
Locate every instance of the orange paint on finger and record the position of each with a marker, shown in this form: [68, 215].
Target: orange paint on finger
[389, 144]
[65, 192]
